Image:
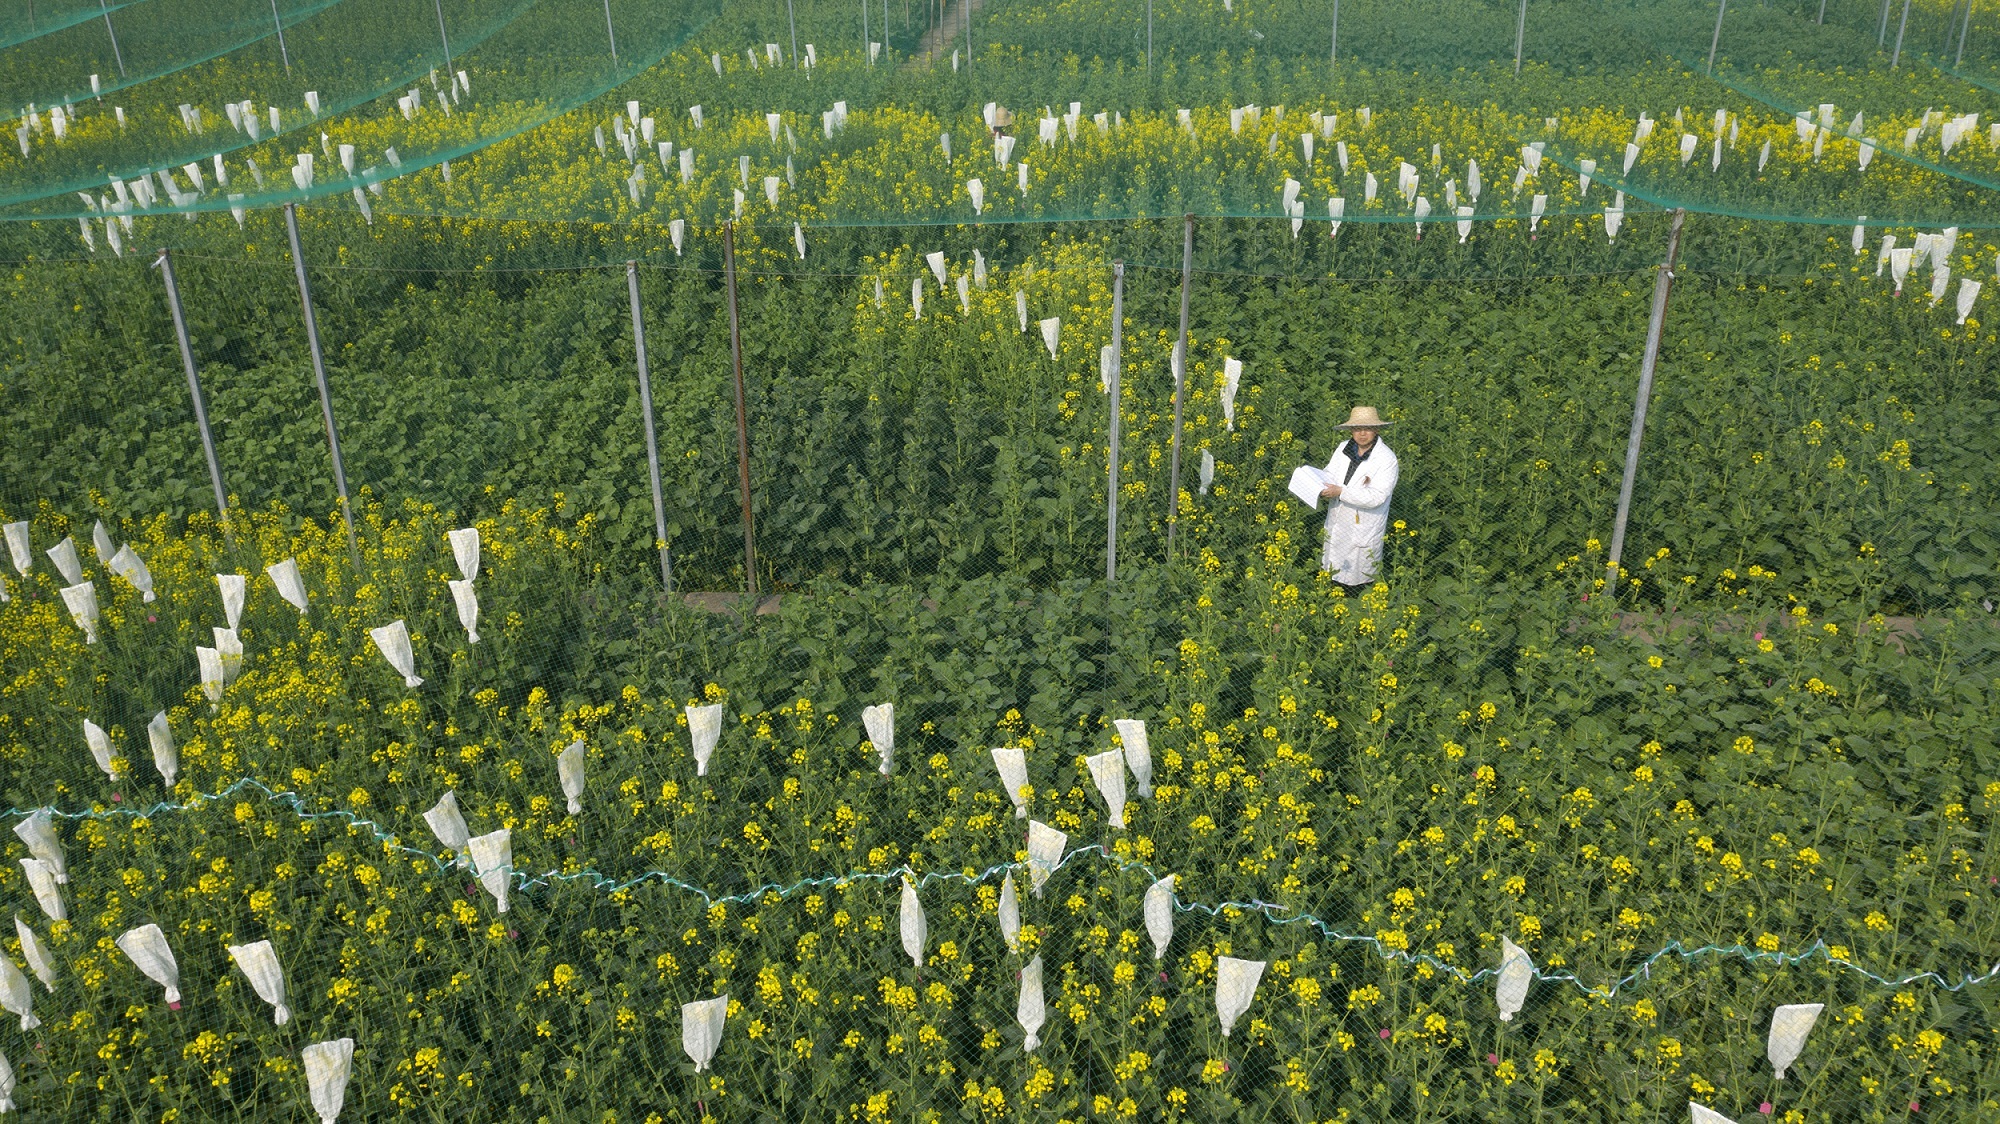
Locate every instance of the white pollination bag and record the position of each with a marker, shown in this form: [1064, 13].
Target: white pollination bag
[704, 730]
[1051, 334]
[291, 587]
[467, 600]
[229, 650]
[1012, 765]
[146, 947]
[165, 757]
[68, 563]
[100, 542]
[36, 954]
[209, 666]
[1010, 913]
[1046, 846]
[259, 962]
[492, 859]
[448, 824]
[1235, 985]
[6, 1085]
[569, 770]
[38, 831]
[879, 721]
[394, 641]
[81, 599]
[914, 926]
[917, 296]
[1032, 1011]
[17, 995]
[19, 547]
[42, 881]
[100, 748]
[976, 189]
[701, 1028]
[1702, 1114]
[935, 259]
[1517, 971]
[128, 565]
[1107, 770]
[465, 551]
[328, 1066]
[1159, 910]
[1138, 756]
[233, 587]
[1789, 1026]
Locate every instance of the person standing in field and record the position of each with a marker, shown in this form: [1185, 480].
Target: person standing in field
[1360, 479]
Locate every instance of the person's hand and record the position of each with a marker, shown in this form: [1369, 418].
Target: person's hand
[1331, 491]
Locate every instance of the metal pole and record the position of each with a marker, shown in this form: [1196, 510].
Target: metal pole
[1111, 491]
[1149, 36]
[864, 29]
[1882, 32]
[445, 39]
[1716, 41]
[1896, 55]
[1180, 381]
[968, 35]
[166, 265]
[793, 16]
[652, 442]
[1520, 36]
[1822, 13]
[1964, 29]
[1661, 287]
[742, 411]
[610, 32]
[1333, 48]
[105, 7]
[280, 23]
[319, 373]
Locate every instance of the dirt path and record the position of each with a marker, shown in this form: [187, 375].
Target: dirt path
[937, 42]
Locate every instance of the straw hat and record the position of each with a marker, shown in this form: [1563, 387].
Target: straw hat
[1002, 118]
[1364, 417]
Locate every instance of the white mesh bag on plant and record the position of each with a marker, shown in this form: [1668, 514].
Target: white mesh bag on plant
[466, 599]
[880, 723]
[448, 824]
[1045, 853]
[1702, 1114]
[165, 757]
[569, 770]
[285, 576]
[19, 547]
[38, 831]
[1235, 985]
[68, 563]
[1517, 971]
[6, 1085]
[17, 995]
[1032, 1011]
[233, 587]
[1789, 1026]
[1138, 755]
[259, 962]
[1159, 910]
[208, 663]
[465, 551]
[101, 750]
[36, 954]
[48, 895]
[101, 544]
[915, 928]
[492, 859]
[704, 731]
[328, 1067]
[128, 565]
[1010, 913]
[81, 600]
[1107, 771]
[146, 946]
[394, 641]
[1012, 765]
[701, 1028]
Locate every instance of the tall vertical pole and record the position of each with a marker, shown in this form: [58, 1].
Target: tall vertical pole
[1333, 48]
[1964, 29]
[1882, 32]
[105, 7]
[1716, 40]
[1897, 55]
[319, 374]
[1520, 36]
[279, 22]
[610, 32]
[794, 18]
[442, 37]
[1662, 285]
[1117, 411]
[1180, 382]
[1821, 18]
[652, 441]
[1149, 36]
[166, 266]
[742, 410]
[864, 29]
[968, 35]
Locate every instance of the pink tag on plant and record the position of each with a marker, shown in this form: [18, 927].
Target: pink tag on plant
[175, 1006]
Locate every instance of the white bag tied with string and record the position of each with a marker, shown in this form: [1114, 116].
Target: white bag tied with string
[1232, 378]
[291, 587]
[209, 665]
[81, 600]
[68, 563]
[259, 962]
[128, 565]
[146, 946]
[36, 954]
[448, 824]
[19, 547]
[1235, 985]
[1968, 292]
[493, 860]
[42, 880]
[393, 639]
[38, 831]
[701, 1028]
[1702, 1114]
[935, 259]
[165, 758]
[569, 770]
[1207, 470]
[1013, 768]
[100, 541]
[233, 587]
[1107, 770]
[1051, 333]
[467, 601]
[915, 927]
[1010, 913]
[1138, 756]
[704, 730]
[17, 995]
[1032, 1010]
[1789, 1026]
[1159, 910]
[1517, 971]
[880, 723]
[917, 296]
[1021, 308]
[1046, 846]
[229, 650]
[465, 551]
[328, 1066]
[6, 1085]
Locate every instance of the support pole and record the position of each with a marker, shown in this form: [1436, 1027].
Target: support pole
[1117, 361]
[610, 32]
[1716, 40]
[1180, 383]
[968, 35]
[1964, 29]
[319, 374]
[166, 266]
[864, 30]
[1897, 55]
[1520, 36]
[279, 22]
[1882, 32]
[105, 7]
[1333, 48]
[652, 441]
[1149, 37]
[442, 37]
[1821, 18]
[1662, 285]
[794, 18]
[742, 410]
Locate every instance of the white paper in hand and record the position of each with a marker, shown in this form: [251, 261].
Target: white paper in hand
[1306, 484]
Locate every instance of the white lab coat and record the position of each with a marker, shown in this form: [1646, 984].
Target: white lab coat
[1357, 521]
